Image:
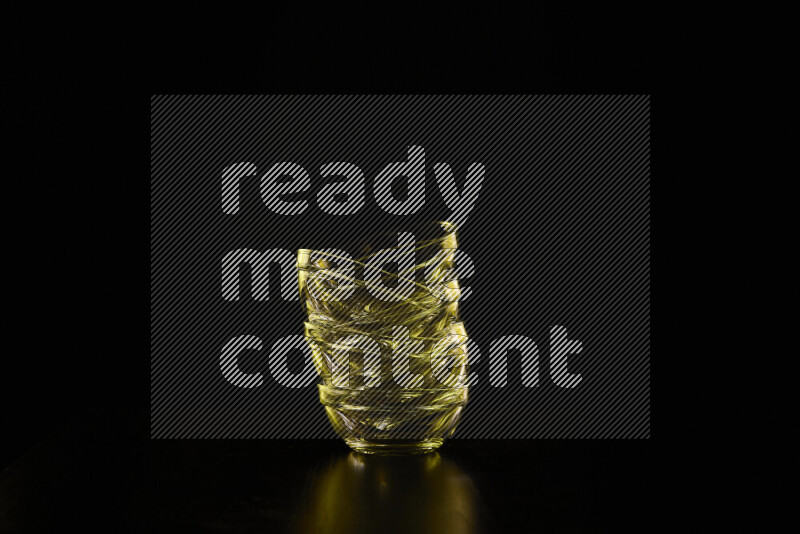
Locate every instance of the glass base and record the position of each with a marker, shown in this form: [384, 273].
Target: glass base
[393, 447]
[393, 421]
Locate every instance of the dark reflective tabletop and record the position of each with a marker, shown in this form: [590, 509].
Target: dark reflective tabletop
[75, 483]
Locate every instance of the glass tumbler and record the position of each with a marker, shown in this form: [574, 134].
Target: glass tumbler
[393, 372]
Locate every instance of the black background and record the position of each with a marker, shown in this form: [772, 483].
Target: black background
[76, 376]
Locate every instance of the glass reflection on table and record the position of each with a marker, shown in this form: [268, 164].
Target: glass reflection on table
[384, 494]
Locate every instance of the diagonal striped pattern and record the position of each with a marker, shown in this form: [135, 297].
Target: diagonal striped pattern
[559, 236]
